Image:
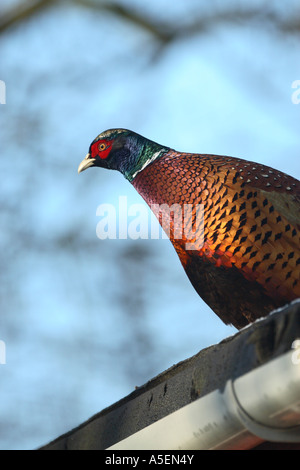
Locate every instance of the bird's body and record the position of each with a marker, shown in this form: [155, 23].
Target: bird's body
[243, 259]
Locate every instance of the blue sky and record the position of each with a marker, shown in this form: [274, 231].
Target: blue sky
[69, 317]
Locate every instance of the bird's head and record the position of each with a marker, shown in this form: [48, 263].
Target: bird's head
[122, 150]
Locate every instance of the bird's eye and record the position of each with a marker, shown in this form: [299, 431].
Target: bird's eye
[102, 147]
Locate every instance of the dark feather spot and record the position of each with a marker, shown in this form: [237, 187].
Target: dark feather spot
[257, 213]
[225, 204]
[238, 233]
[215, 237]
[234, 180]
[255, 265]
[264, 221]
[228, 225]
[248, 249]
[267, 236]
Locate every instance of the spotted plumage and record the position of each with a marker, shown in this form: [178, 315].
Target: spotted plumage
[245, 259]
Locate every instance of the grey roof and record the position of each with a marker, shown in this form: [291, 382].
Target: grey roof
[210, 369]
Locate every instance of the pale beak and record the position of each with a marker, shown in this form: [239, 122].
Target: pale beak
[86, 163]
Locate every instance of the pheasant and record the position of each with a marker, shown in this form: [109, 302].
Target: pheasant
[244, 258]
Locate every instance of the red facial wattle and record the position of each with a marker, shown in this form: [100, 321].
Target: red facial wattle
[101, 149]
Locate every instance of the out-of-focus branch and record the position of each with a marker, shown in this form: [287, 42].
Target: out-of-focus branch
[292, 26]
[166, 32]
[129, 15]
[162, 30]
[23, 12]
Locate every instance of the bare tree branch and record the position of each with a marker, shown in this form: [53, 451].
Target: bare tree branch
[164, 31]
[23, 12]
[130, 16]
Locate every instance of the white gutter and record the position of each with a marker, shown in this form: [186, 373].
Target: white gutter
[262, 405]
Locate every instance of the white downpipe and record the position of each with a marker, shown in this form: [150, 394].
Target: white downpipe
[263, 404]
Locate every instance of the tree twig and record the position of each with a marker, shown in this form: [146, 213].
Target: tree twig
[23, 12]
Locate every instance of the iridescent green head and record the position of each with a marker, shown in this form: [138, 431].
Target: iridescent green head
[122, 150]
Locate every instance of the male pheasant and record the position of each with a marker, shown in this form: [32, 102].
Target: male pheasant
[244, 259]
